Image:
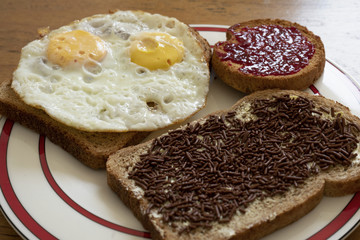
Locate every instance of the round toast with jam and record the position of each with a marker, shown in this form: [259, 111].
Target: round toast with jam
[267, 54]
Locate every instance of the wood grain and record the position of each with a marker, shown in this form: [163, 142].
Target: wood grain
[337, 22]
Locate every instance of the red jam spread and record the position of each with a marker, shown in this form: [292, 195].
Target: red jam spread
[268, 50]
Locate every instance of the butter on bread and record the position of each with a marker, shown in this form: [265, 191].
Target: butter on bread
[176, 194]
[229, 72]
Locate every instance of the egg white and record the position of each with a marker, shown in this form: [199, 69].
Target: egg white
[115, 94]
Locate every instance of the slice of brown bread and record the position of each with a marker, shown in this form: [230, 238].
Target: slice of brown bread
[161, 166]
[246, 82]
[91, 148]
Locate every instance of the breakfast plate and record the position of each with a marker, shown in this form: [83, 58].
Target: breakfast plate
[47, 194]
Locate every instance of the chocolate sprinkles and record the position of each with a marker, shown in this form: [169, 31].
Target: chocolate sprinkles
[208, 172]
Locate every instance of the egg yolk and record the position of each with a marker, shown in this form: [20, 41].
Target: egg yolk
[75, 46]
[156, 50]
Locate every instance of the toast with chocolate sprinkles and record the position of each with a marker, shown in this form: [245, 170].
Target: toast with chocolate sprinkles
[241, 173]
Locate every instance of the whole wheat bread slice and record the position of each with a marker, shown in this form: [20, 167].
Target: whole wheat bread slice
[91, 148]
[262, 215]
[229, 73]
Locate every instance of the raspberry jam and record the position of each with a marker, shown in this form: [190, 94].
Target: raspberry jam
[268, 50]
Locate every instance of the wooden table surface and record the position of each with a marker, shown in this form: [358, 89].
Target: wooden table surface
[336, 22]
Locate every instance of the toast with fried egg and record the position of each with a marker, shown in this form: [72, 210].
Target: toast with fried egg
[244, 172]
[87, 80]
[118, 72]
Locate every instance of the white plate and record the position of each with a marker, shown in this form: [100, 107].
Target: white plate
[47, 194]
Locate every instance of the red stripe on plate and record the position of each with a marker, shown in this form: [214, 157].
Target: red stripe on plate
[314, 90]
[73, 204]
[344, 216]
[8, 192]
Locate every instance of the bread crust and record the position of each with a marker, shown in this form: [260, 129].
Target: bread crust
[261, 217]
[229, 73]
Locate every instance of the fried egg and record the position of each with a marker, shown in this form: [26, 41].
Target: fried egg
[125, 71]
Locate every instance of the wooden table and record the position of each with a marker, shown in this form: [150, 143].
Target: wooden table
[337, 22]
